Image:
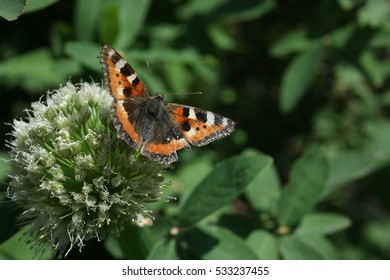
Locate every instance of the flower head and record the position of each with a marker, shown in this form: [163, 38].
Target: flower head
[73, 177]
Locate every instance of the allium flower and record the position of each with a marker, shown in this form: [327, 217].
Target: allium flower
[72, 176]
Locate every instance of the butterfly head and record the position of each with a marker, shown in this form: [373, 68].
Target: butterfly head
[156, 105]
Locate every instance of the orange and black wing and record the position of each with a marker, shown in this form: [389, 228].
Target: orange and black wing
[128, 91]
[199, 126]
[120, 78]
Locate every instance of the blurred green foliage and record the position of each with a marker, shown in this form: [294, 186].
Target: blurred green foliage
[307, 81]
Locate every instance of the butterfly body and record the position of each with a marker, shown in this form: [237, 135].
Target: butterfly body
[158, 130]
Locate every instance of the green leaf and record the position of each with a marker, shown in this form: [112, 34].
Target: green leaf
[8, 216]
[217, 243]
[131, 15]
[199, 7]
[348, 4]
[243, 10]
[264, 191]
[342, 35]
[221, 37]
[191, 175]
[5, 167]
[12, 9]
[223, 184]
[133, 243]
[297, 40]
[164, 250]
[263, 244]
[374, 13]
[298, 77]
[307, 247]
[36, 5]
[378, 149]
[377, 70]
[15, 248]
[224, 10]
[323, 224]
[346, 167]
[35, 71]
[307, 182]
[84, 52]
[377, 234]
[109, 26]
[87, 17]
[178, 76]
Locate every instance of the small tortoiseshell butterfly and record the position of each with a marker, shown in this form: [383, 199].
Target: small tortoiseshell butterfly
[147, 124]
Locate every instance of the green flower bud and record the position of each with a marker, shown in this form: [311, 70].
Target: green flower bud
[73, 177]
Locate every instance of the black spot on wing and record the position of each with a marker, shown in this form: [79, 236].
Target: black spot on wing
[127, 91]
[115, 58]
[201, 116]
[135, 82]
[218, 120]
[186, 112]
[127, 70]
[186, 126]
[173, 134]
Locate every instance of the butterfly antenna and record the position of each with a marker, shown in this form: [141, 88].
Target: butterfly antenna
[151, 73]
[180, 93]
[173, 93]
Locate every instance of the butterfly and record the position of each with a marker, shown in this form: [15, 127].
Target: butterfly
[156, 129]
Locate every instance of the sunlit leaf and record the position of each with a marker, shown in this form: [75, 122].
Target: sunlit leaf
[164, 250]
[34, 71]
[131, 15]
[132, 244]
[109, 24]
[12, 9]
[297, 40]
[16, 248]
[36, 5]
[298, 77]
[348, 4]
[306, 247]
[306, 184]
[323, 223]
[87, 17]
[227, 180]
[264, 244]
[348, 166]
[4, 166]
[264, 190]
[217, 243]
[374, 13]
[84, 52]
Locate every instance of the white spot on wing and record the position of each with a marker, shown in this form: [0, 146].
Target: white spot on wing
[120, 64]
[131, 78]
[119, 92]
[192, 114]
[191, 132]
[210, 118]
[111, 52]
[225, 122]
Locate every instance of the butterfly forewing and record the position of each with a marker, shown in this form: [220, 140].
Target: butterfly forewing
[120, 78]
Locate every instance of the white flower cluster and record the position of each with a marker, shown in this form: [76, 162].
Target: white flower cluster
[72, 176]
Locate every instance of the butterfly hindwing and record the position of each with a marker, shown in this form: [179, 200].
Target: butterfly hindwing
[199, 126]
